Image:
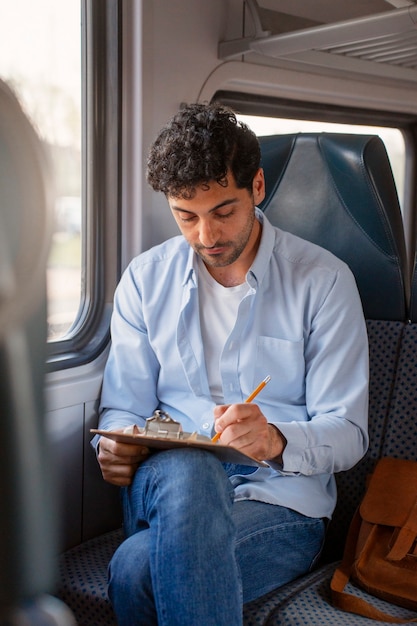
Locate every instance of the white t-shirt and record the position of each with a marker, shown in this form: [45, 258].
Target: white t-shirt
[218, 313]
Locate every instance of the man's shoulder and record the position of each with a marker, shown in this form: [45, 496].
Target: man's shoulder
[176, 247]
[158, 268]
[298, 251]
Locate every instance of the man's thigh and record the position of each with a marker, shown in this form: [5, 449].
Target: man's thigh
[274, 545]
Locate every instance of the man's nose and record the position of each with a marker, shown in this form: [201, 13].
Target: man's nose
[208, 234]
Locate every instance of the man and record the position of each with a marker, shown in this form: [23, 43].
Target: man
[198, 322]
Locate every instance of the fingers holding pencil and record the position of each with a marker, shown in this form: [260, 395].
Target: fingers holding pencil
[249, 399]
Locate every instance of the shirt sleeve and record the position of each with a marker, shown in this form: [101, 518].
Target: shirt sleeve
[334, 437]
[129, 383]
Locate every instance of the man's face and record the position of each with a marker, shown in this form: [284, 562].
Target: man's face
[219, 221]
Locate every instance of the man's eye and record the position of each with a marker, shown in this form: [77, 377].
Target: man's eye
[225, 215]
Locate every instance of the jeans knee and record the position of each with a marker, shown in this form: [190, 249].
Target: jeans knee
[187, 473]
[187, 483]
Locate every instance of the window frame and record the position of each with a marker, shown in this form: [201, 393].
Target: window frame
[251, 104]
[101, 34]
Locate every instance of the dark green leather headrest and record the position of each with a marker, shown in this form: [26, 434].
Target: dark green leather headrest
[337, 190]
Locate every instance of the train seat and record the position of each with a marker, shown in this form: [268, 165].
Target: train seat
[28, 533]
[307, 600]
[338, 191]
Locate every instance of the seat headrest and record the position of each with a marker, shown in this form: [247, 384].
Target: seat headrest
[28, 517]
[25, 214]
[338, 191]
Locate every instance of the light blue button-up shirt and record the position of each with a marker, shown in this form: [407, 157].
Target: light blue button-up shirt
[301, 322]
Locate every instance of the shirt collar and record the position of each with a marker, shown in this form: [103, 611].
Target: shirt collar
[266, 246]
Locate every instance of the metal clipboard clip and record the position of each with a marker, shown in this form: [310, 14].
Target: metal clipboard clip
[161, 425]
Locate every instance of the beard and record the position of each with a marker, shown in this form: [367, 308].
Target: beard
[230, 251]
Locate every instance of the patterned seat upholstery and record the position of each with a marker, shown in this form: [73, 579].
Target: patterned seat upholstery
[401, 432]
[367, 234]
[83, 579]
[307, 602]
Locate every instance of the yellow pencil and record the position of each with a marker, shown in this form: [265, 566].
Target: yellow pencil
[248, 399]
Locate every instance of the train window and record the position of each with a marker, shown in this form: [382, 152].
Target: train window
[393, 138]
[62, 60]
[40, 60]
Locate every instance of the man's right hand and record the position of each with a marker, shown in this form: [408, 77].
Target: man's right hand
[119, 461]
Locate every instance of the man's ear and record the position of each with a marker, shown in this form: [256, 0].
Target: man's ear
[258, 186]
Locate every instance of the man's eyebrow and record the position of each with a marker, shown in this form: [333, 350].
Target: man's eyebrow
[215, 208]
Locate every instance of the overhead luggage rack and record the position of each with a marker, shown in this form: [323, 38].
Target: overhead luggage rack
[383, 45]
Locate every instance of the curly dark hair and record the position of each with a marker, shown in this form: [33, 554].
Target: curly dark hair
[200, 144]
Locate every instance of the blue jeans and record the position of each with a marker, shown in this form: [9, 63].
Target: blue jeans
[192, 556]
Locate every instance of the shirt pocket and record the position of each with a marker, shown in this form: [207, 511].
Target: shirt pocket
[284, 361]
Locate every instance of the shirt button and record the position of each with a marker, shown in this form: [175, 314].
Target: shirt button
[206, 425]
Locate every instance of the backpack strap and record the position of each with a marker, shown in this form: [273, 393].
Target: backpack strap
[406, 537]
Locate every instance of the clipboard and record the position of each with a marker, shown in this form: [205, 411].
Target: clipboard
[161, 432]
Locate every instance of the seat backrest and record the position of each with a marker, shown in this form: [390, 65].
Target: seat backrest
[413, 295]
[401, 434]
[337, 190]
[28, 524]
